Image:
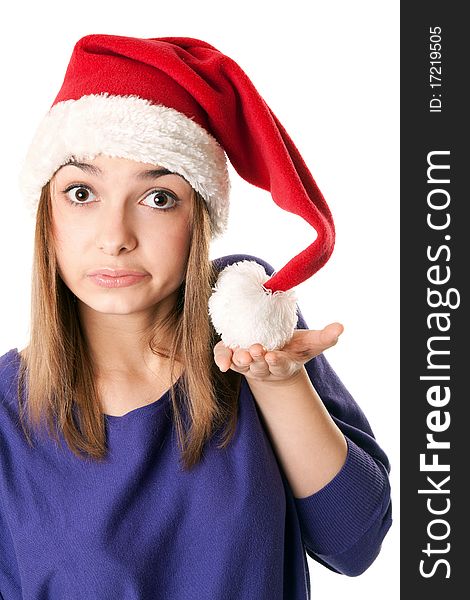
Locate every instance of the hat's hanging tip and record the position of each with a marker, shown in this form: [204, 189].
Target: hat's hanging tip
[244, 312]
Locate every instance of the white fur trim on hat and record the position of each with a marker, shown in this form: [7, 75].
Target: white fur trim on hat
[128, 127]
[244, 312]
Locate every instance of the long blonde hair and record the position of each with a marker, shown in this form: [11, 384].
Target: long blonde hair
[57, 382]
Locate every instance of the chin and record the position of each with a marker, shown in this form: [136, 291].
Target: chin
[116, 306]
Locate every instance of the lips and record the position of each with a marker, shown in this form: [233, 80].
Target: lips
[108, 272]
[116, 278]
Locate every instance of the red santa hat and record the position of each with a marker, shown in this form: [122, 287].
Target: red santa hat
[181, 104]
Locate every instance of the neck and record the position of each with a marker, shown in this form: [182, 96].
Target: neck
[118, 344]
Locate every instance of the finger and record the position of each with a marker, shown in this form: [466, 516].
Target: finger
[329, 335]
[222, 356]
[258, 367]
[257, 352]
[314, 341]
[242, 359]
[276, 361]
[280, 365]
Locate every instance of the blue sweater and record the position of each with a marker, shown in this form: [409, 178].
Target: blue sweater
[139, 528]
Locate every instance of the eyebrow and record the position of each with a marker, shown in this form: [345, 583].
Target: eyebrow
[94, 170]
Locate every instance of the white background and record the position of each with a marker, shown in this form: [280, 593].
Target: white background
[330, 73]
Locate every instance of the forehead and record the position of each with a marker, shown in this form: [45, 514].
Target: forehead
[101, 165]
[104, 167]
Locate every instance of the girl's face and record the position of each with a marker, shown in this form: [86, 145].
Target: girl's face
[114, 213]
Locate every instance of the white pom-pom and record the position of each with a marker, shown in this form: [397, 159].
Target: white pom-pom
[244, 312]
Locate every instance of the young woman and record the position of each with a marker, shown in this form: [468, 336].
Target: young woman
[173, 429]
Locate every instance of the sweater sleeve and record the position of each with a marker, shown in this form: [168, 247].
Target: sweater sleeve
[9, 575]
[344, 523]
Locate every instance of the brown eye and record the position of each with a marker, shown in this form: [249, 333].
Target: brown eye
[78, 194]
[81, 194]
[161, 199]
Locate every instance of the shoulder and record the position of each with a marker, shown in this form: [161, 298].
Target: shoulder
[9, 364]
[224, 261]
[9, 361]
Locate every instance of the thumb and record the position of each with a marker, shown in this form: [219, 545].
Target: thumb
[330, 334]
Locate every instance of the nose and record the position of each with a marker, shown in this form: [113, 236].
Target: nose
[115, 232]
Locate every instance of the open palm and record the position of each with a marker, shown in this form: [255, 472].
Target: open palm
[278, 365]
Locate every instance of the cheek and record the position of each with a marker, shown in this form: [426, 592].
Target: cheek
[69, 243]
[67, 256]
[172, 233]
[168, 250]
[182, 243]
[67, 227]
